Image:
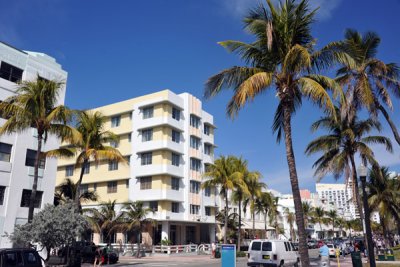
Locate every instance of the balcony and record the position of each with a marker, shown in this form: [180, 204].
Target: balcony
[150, 170]
[158, 121]
[160, 194]
[159, 144]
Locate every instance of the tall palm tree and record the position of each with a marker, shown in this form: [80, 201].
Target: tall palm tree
[281, 57]
[68, 190]
[384, 196]
[91, 144]
[255, 188]
[104, 219]
[332, 217]
[347, 136]
[319, 217]
[35, 105]
[307, 211]
[222, 175]
[134, 218]
[274, 215]
[368, 79]
[290, 218]
[241, 193]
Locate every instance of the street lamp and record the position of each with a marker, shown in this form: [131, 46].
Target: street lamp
[362, 172]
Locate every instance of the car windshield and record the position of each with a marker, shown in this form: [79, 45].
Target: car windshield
[330, 246]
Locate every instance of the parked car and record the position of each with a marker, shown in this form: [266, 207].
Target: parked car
[19, 257]
[312, 244]
[264, 252]
[332, 250]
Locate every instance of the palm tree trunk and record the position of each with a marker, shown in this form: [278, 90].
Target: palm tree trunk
[138, 244]
[303, 249]
[390, 122]
[356, 190]
[226, 217]
[240, 224]
[253, 212]
[333, 228]
[78, 185]
[35, 176]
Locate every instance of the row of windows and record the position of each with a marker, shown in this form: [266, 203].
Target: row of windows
[112, 166]
[112, 187]
[146, 183]
[195, 209]
[5, 155]
[10, 72]
[25, 199]
[147, 158]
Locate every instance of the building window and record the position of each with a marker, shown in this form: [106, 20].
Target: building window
[194, 209]
[175, 159]
[206, 129]
[86, 169]
[176, 114]
[176, 136]
[175, 207]
[26, 195]
[147, 135]
[129, 138]
[115, 121]
[113, 165]
[153, 205]
[69, 170]
[194, 187]
[194, 142]
[146, 158]
[195, 164]
[128, 160]
[145, 183]
[114, 144]
[207, 191]
[194, 121]
[112, 187]
[83, 188]
[5, 152]
[127, 183]
[95, 186]
[10, 72]
[148, 112]
[2, 192]
[208, 211]
[30, 159]
[207, 149]
[174, 183]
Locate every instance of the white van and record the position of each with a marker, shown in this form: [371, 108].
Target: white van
[264, 252]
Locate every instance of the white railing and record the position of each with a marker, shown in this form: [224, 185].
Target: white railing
[132, 249]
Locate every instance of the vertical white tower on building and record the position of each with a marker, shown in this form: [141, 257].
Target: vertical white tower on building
[17, 151]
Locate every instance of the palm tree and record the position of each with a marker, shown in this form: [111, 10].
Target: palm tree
[263, 205]
[233, 222]
[307, 211]
[290, 218]
[384, 196]
[68, 190]
[241, 192]
[104, 219]
[91, 143]
[332, 217]
[368, 79]
[281, 57]
[35, 105]
[134, 218]
[255, 188]
[319, 217]
[274, 215]
[222, 175]
[346, 138]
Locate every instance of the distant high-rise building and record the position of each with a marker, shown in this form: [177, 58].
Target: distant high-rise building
[17, 151]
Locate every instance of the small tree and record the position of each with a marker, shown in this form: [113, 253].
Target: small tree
[52, 227]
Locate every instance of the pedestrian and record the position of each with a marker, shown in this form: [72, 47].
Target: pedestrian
[343, 249]
[98, 257]
[324, 252]
[213, 249]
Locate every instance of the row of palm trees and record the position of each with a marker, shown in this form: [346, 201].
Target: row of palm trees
[35, 104]
[283, 57]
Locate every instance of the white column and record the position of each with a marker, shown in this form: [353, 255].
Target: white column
[165, 230]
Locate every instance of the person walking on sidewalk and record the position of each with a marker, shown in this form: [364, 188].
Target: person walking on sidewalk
[324, 252]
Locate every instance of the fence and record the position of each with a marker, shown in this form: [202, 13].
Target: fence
[132, 249]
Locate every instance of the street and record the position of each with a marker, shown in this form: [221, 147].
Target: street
[203, 260]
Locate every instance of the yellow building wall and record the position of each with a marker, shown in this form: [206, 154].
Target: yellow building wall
[121, 196]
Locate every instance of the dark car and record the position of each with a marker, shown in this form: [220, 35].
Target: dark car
[19, 257]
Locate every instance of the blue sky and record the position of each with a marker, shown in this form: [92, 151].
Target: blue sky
[115, 50]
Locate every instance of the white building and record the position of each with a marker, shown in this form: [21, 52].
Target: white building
[17, 151]
[340, 195]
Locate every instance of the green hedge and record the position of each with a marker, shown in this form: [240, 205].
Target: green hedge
[240, 254]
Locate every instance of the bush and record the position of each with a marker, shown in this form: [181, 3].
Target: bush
[240, 254]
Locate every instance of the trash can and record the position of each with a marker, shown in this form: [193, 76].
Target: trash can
[389, 255]
[218, 253]
[381, 255]
[356, 259]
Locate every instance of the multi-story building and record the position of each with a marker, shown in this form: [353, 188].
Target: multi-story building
[17, 151]
[341, 196]
[168, 140]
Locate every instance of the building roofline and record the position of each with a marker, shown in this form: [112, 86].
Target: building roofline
[13, 47]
